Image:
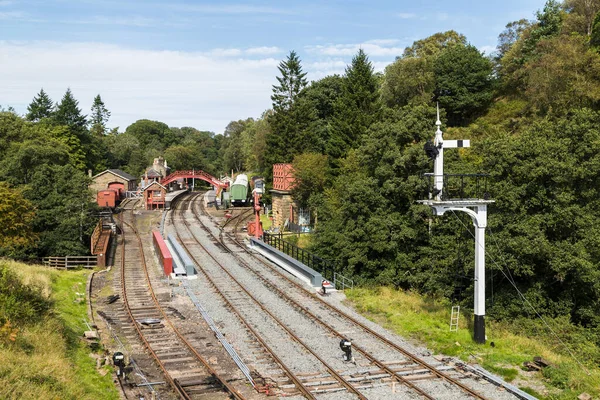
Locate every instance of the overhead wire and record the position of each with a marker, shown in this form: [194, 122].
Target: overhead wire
[525, 301]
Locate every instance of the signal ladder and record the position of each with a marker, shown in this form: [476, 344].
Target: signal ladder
[454, 318]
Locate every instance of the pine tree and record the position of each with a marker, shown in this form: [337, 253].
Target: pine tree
[100, 116]
[68, 113]
[289, 118]
[291, 83]
[356, 109]
[40, 107]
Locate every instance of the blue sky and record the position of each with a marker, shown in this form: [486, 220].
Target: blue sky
[203, 64]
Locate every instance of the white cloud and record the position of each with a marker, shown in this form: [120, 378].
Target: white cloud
[264, 50]
[203, 90]
[379, 48]
[227, 9]
[12, 15]
[407, 15]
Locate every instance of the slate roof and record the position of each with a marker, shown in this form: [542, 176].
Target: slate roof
[119, 173]
[152, 183]
[123, 174]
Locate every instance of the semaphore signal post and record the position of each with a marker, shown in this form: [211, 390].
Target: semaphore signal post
[441, 200]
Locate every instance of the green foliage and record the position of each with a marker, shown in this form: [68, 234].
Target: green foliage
[356, 109]
[41, 107]
[291, 83]
[595, 34]
[100, 116]
[151, 134]
[68, 113]
[565, 76]
[19, 303]
[463, 83]
[434, 44]
[291, 115]
[65, 216]
[16, 215]
[310, 176]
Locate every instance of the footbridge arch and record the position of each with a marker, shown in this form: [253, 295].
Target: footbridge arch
[195, 174]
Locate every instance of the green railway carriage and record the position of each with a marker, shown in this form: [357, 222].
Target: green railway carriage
[239, 191]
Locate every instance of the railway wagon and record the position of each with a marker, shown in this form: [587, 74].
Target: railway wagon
[162, 252]
[258, 184]
[239, 191]
[107, 198]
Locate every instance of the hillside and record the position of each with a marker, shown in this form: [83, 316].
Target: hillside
[42, 320]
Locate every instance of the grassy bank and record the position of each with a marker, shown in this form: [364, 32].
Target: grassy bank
[42, 352]
[427, 321]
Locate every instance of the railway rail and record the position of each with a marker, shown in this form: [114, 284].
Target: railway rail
[416, 368]
[235, 301]
[188, 373]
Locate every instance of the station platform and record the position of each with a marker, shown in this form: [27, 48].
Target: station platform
[170, 196]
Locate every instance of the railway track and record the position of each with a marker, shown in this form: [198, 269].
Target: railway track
[188, 373]
[406, 371]
[247, 308]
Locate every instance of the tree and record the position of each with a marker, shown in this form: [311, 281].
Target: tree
[595, 35]
[66, 213]
[291, 82]
[151, 133]
[510, 36]
[408, 80]
[565, 77]
[68, 113]
[100, 116]
[233, 151]
[16, 216]
[291, 116]
[434, 44]
[549, 22]
[463, 83]
[310, 176]
[581, 13]
[356, 109]
[41, 107]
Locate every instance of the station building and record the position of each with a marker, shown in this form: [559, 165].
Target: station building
[114, 179]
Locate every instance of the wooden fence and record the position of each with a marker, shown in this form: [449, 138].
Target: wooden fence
[67, 262]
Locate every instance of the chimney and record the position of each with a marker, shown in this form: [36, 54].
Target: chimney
[90, 173]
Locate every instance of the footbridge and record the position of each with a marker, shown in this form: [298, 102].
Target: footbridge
[195, 174]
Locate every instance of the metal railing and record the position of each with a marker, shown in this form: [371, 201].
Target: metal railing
[324, 267]
[459, 186]
[341, 282]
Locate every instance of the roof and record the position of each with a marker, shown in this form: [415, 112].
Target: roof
[152, 173]
[119, 173]
[153, 183]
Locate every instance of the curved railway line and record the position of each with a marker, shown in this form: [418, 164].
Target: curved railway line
[188, 373]
[301, 304]
[406, 372]
[231, 297]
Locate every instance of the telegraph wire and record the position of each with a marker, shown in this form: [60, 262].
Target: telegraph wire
[525, 299]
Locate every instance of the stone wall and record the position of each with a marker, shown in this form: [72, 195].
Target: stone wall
[101, 182]
[281, 207]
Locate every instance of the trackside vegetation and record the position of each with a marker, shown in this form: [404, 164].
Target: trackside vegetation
[42, 314]
[531, 110]
[426, 321]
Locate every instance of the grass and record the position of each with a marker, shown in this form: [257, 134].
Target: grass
[49, 359]
[426, 320]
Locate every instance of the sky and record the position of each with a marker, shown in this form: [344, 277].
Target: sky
[206, 63]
